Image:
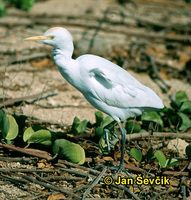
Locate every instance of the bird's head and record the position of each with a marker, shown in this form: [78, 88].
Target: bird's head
[57, 37]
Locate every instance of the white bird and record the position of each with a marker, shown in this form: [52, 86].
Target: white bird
[105, 85]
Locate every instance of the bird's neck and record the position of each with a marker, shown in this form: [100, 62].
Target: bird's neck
[62, 58]
[64, 53]
[67, 66]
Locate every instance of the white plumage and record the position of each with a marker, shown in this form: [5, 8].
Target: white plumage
[105, 85]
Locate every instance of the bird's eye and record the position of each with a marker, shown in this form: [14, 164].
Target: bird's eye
[51, 37]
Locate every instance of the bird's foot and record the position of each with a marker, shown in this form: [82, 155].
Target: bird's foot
[120, 167]
[117, 169]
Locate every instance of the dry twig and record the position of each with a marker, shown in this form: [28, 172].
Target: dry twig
[95, 182]
[51, 187]
[32, 152]
[145, 135]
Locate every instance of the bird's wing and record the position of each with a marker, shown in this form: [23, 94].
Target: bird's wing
[113, 91]
[113, 85]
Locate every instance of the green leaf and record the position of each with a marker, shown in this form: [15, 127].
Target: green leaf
[69, 150]
[1, 114]
[152, 116]
[23, 4]
[75, 124]
[10, 128]
[98, 117]
[103, 145]
[171, 162]
[161, 158]
[188, 151]
[170, 117]
[79, 127]
[179, 98]
[82, 126]
[186, 107]
[136, 153]
[132, 126]
[2, 9]
[27, 134]
[4, 124]
[99, 131]
[76, 121]
[2, 118]
[106, 121]
[43, 137]
[13, 128]
[185, 122]
[101, 120]
[149, 155]
[101, 123]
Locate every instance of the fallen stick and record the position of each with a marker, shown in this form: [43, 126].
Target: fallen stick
[175, 173]
[89, 170]
[18, 159]
[31, 152]
[27, 170]
[133, 195]
[145, 135]
[72, 171]
[50, 186]
[94, 183]
[14, 180]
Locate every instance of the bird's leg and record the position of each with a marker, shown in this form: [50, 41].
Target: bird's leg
[123, 141]
[106, 134]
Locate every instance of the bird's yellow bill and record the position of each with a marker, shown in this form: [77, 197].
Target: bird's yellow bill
[38, 38]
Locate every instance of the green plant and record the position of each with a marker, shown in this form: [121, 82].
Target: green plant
[181, 105]
[79, 127]
[152, 116]
[176, 118]
[132, 126]
[107, 140]
[42, 136]
[188, 151]
[8, 126]
[163, 162]
[69, 150]
[101, 123]
[2, 8]
[152, 155]
[9, 131]
[137, 154]
[25, 5]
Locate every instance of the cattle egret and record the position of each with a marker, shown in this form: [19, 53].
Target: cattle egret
[108, 87]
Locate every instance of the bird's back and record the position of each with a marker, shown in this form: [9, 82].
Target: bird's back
[115, 72]
[109, 87]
